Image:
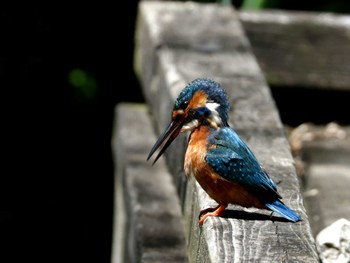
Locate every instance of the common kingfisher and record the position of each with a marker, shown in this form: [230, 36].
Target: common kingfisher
[219, 159]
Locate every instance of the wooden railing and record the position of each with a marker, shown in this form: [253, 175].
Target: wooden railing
[157, 209]
[305, 49]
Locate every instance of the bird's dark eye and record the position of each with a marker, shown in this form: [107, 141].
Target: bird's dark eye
[183, 105]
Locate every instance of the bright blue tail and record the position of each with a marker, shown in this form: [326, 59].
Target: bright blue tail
[280, 208]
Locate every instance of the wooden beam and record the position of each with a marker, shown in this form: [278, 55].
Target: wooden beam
[148, 224]
[178, 42]
[304, 49]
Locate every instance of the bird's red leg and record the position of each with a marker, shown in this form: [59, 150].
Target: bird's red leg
[216, 212]
[207, 210]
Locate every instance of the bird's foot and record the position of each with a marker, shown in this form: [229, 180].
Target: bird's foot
[211, 212]
[207, 210]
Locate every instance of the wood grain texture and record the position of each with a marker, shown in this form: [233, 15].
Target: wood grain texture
[190, 41]
[148, 224]
[303, 49]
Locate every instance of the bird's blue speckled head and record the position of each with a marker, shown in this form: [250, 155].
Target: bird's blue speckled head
[201, 102]
[214, 92]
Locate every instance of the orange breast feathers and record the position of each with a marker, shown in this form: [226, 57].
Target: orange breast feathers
[195, 161]
[219, 189]
[196, 151]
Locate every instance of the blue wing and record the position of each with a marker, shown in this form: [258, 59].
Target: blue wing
[235, 162]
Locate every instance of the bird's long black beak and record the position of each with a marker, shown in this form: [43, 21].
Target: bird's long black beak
[171, 132]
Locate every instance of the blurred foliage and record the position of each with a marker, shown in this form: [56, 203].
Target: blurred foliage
[253, 4]
[84, 85]
[336, 6]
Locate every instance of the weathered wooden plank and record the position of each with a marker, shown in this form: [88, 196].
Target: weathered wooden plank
[148, 224]
[324, 152]
[303, 49]
[188, 41]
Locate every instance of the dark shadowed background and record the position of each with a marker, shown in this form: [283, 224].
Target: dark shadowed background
[62, 71]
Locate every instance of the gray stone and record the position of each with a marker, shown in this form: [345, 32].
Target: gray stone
[333, 242]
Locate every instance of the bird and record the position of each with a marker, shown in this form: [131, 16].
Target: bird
[218, 158]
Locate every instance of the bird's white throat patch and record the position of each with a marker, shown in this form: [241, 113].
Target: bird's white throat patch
[190, 126]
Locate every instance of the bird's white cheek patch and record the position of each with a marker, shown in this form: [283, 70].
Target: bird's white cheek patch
[214, 117]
